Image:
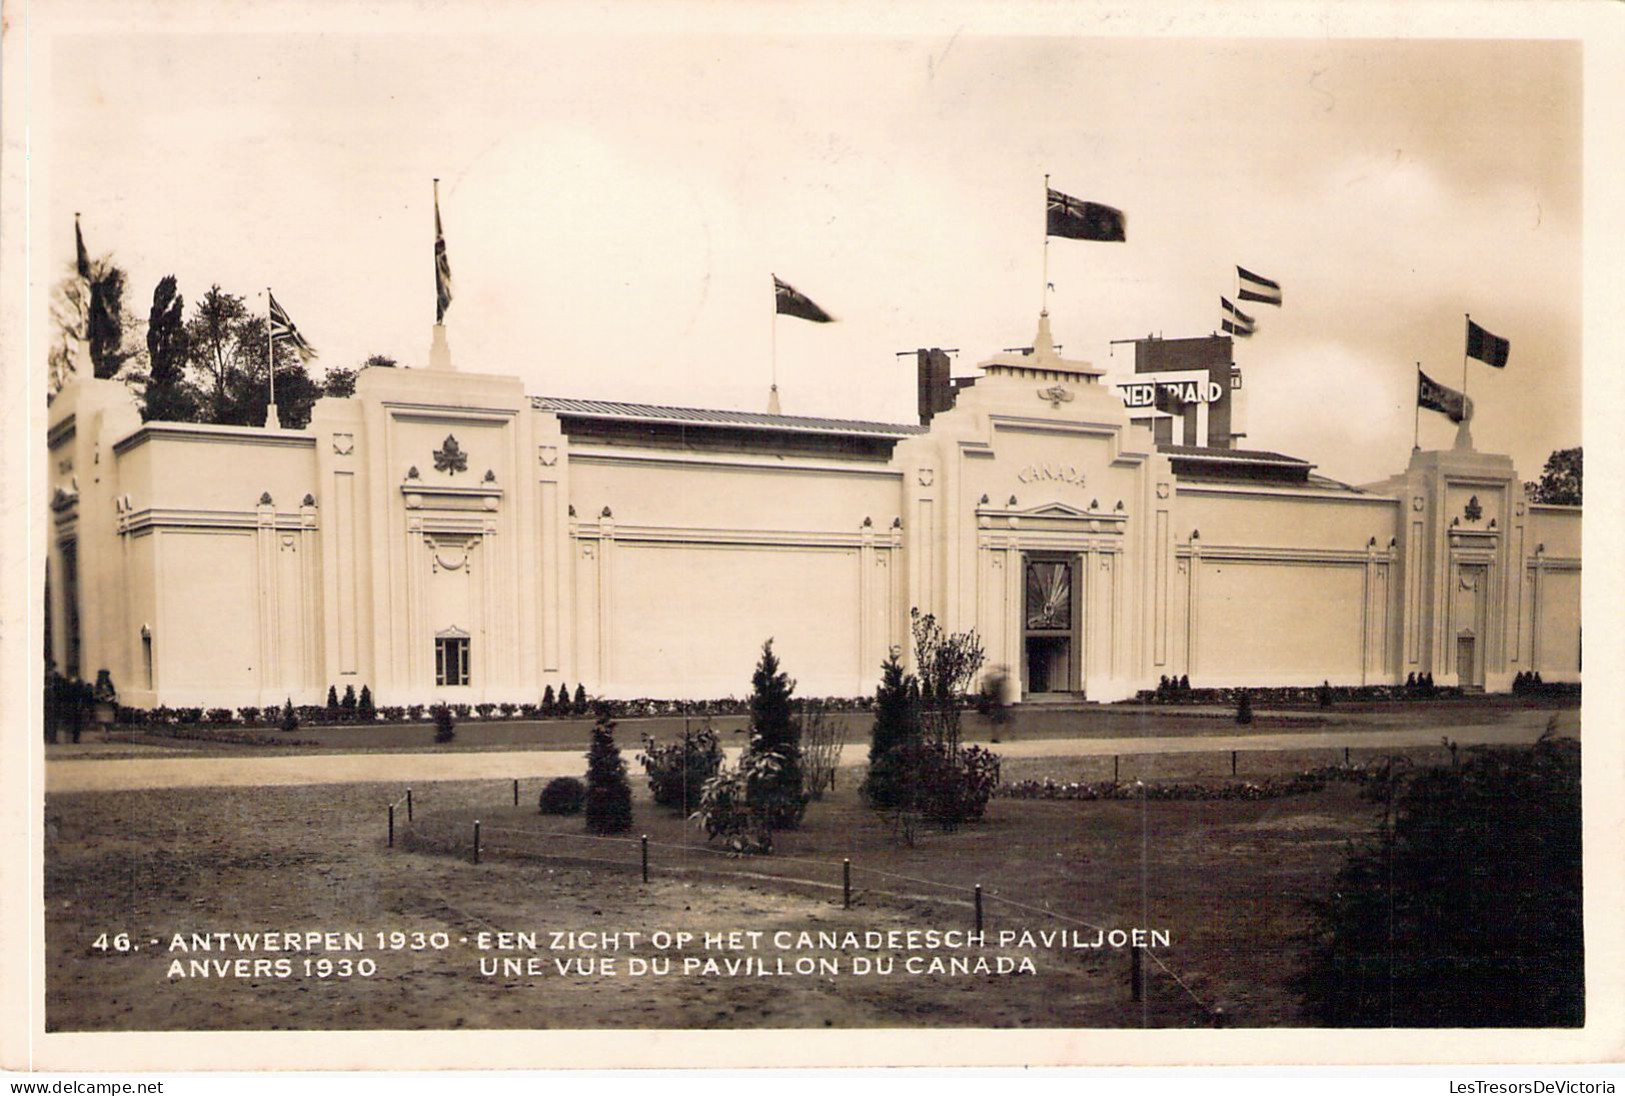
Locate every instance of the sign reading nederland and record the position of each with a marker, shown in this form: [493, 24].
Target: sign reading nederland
[1144, 393]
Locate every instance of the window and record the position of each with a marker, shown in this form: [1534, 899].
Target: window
[451, 658]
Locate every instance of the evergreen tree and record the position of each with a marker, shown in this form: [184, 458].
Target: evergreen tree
[547, 701]
[1244, 706]
[779, 799]
[445, 728]
[364, 709]
[332, 702]
[168, 398]
[290, 718]
[609, 792]
[348, 703]
[581, 700]
[896, 720]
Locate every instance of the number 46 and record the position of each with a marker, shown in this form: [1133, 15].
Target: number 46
[120, 942]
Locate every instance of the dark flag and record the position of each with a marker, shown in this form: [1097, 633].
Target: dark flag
[84, 256]
[1078, 220]
[442, 265]
[101, 328]
[1487, 348]
[283, 328]
[790, 303]
[1236, 322]
[1255, 288]
[1437, 397]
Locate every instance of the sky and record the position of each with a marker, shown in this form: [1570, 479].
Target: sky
[615, 203]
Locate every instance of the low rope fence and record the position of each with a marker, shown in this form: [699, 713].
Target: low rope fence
[820, 878]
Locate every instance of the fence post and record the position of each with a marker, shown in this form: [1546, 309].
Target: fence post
[392, 825]
[645, 844]
[978, 907]
[476, 840]
[516, 792]
[1115, 760]
[1232, 762]
[409, 804]
[1136, 975]
[846, 883]
[1345, 757]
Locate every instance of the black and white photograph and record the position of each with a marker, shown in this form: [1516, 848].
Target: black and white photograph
[781, 535]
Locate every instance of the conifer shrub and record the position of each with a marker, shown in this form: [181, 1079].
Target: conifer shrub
[1244, 706]
[290, 718]
[776, 788]
[547, 703]
[563, 795]
[445, 725]
[896, 724]
[364, 709]
[332, 702]
[580, 707]
[609, 792]
[347, 706]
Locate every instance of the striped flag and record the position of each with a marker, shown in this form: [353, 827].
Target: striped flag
[1487, 348]
[1256, 288]
[791, 303]
[1236, 322]
[101, 327]
[283, 328]
[1433, 396]
[442, 265]
[1078, 220]
[84, 256]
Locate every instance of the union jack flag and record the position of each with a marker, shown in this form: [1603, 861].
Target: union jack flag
[283, 328]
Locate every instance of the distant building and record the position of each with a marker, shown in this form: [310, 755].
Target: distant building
[443, 535]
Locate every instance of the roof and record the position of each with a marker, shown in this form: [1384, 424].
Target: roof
[611, 410]
[1233, 456]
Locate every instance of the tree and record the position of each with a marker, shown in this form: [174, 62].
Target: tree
[779, 800]
[212, 343]
[547, 701]
[339, 383]
[348, 703]
[248, 389]
[1560, 482]
[364, 709]
[947, 663]
[168, 397]
[580, 707]
[896, 724]
[609, 792]
[90, 312]
[1464, 907]
[445, 727]
[290, 718]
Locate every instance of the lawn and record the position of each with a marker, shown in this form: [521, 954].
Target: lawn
[1226, 880]
[1027, 723]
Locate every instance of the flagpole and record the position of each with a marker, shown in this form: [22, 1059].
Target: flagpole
[773, 343]
[1469, 316]
[1043, 295]
[270, 362]
[1416, 429]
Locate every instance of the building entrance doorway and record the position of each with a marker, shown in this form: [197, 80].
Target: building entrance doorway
[1049, 621]
[1466, 663]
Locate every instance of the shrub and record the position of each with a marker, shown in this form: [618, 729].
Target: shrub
[445, 726]
[732, 803]
[414, 712]
[1244, 706]
[990, 697]
[486, 710]
[822, 735]
[547, 702]
[507, 709]
[332, 702]
[580, 707]
[777, 788]
[563, 795]
[896, 724]
[392, 713]
[290, 720]
[1463, 908]
[678, 772]
[944, 785]
[249, 716]
[348, 704]
[609, 793]
[364, 710]
[1324, 694]
[221, 715]
[562, 706]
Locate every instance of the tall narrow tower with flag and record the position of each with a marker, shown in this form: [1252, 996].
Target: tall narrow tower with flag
[439, 348]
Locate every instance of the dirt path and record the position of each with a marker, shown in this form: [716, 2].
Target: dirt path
[409, 768]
